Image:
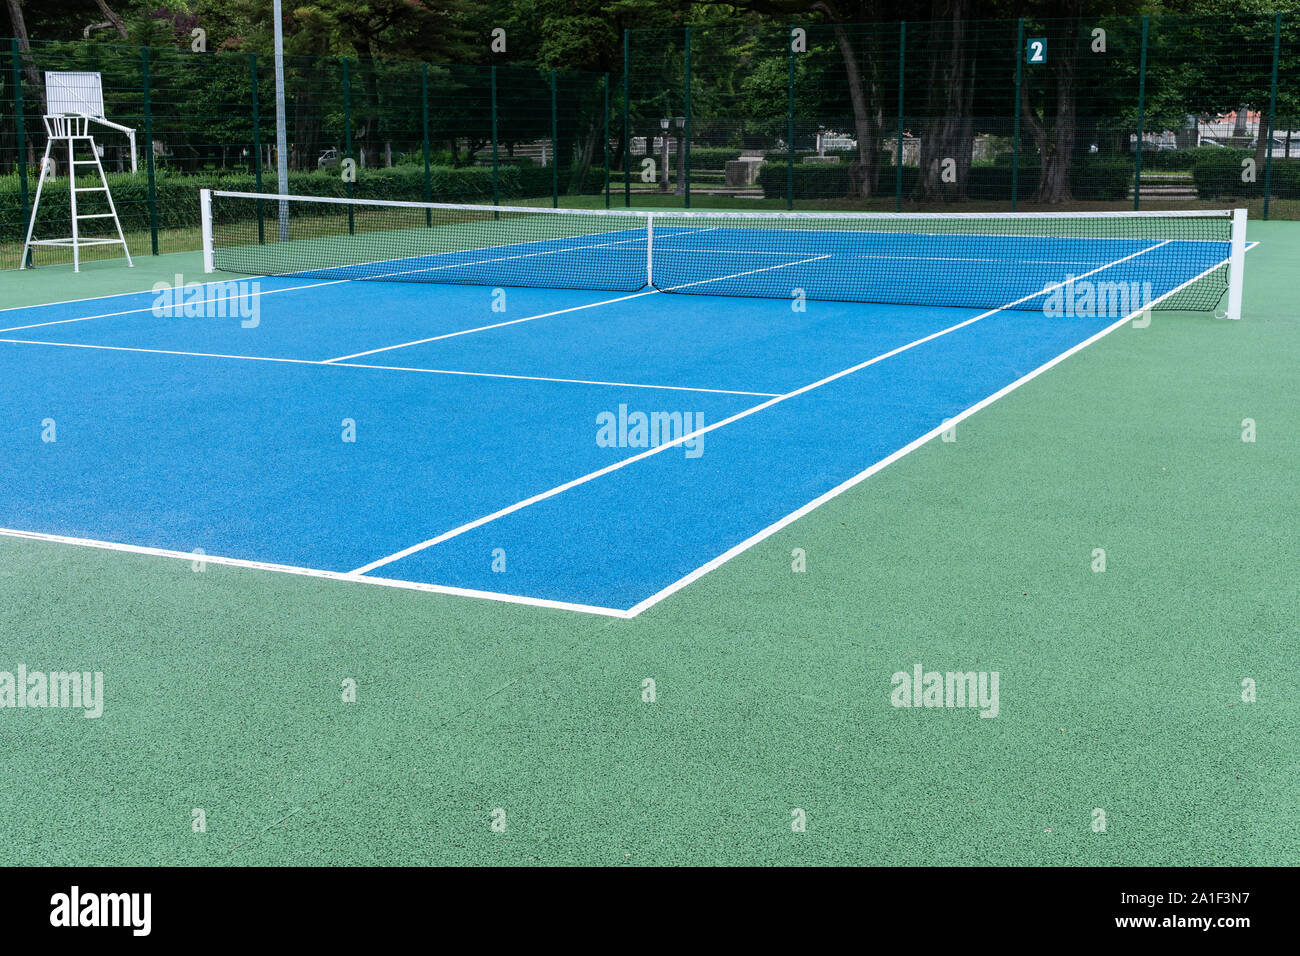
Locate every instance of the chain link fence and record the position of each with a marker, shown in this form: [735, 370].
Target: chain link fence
[1082, 113]
[1088, 113]
[376, 129]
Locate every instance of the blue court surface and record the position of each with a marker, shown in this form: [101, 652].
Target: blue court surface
[595, 450]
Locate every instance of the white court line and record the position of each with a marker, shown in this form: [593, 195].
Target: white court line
[390, 368]
[117, 295]
[132, 348]
[294, 288]
[876, 257]
[310, 572]
[150, 308]
[737, 275]
[576, 308]
[591, 476]
[484, 328]
[543, 378]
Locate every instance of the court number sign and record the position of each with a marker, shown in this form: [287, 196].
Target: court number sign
[1036, 51]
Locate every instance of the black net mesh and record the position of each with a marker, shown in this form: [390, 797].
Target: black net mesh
[989, 261]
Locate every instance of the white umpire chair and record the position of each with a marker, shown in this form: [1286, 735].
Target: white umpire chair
[74, 101]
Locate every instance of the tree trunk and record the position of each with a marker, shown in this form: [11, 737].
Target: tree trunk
[1054, 181]
[306, 120]
[35, 87]
[369, 133]
[949, 129]
[863, 173]
[1054, 133]
[586, 153]
[112, 18]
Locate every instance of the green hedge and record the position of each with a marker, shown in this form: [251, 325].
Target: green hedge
[710, 157]
[1102, 179]
[1181, 158]
[1095, 180]
[178, 193]
[812, 181]
[535, 181]
[1218, 174]
[845, 155]
[1286, 179]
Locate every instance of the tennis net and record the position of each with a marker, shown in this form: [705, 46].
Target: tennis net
[995, 260]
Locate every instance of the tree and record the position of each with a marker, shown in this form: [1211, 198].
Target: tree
[1051, 126]
[30, 72]
[949, 128]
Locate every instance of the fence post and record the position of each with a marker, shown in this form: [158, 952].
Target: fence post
[424, 127]
[496, 158]
[347, 141]
[606, 140]
[898, 157]
[257, 147]
[555, 152]
[1015, 114]
[789, 128]
[686, 156]
[1142, 105]
[20, 131]
[148, 152]
[627, 122]
[1272, 107]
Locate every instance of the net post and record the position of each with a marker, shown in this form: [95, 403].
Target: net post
[1272, 107]
[1237, 264]
[1142, 101]
[607, 139]
[257, 150]
[555, 151]
[686, 146]
[649, 250]
[148, 151]
[1015, 112]
[627, 122]
[205, 218]
[898, 153]
[789, 129]
[281, 124]
[20, 133]
[424, 121]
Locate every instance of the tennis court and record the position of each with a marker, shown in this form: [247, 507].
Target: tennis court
[586, 410]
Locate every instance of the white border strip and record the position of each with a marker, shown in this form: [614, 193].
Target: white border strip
[731, 214]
